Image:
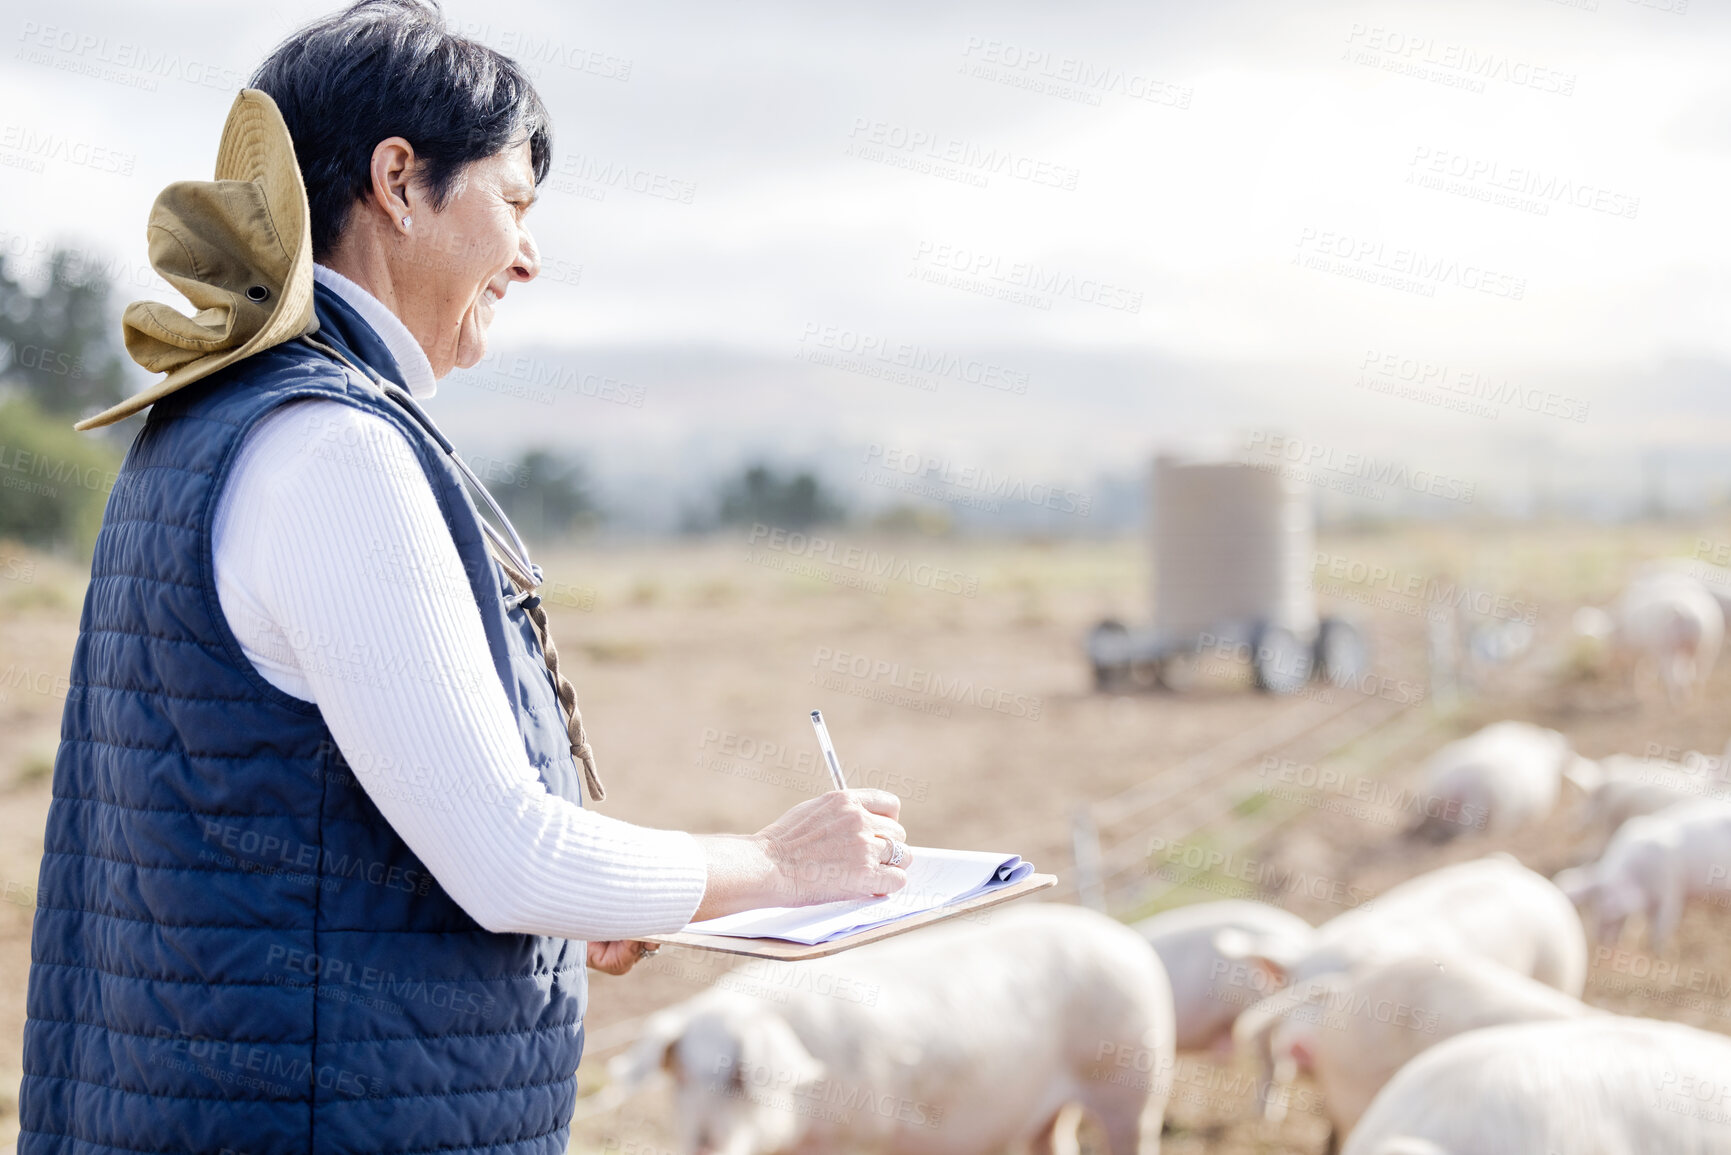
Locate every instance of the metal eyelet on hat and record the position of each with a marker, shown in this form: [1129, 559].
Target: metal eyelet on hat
[257, 293]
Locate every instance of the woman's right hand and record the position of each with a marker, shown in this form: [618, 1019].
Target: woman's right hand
[825, 849]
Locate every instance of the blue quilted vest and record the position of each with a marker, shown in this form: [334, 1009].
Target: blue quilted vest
[233, 952]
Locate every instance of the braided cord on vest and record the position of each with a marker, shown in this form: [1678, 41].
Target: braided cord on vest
[580, 748]
[526, 586]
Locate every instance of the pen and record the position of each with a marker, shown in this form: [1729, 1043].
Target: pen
[828, 749]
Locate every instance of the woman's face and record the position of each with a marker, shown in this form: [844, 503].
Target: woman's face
[462, 259]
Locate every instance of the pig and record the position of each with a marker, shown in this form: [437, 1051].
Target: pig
[1715, 579]
[1351, 1031]
[1492, 907]
[1500, 779]
[1587, 1086]
[1666, 622]
[1204, 1004]
[1653, 865]
[976, 1037]
[1618, 787]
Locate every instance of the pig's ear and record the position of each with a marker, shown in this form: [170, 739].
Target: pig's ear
[1580, 883]
[1585, 773]
[774, 1057]
[1593, 622]
[651, 1054]
[1273, 955]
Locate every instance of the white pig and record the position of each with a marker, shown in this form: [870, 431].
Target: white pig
[1604, 1085]
[1653, 865]
[1619, 787]
[1204, 1003]
[1492, 906]
[1500, 779]
[1352, 1031]
[976, 1037]
[1664, 621]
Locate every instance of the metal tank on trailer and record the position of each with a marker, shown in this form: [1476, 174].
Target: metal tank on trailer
[1233, 546]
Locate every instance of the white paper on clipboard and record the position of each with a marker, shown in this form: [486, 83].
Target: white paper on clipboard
[936, 878]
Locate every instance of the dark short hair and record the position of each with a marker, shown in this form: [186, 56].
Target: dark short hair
[383, 68]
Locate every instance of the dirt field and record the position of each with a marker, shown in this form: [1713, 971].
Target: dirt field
[697, 664]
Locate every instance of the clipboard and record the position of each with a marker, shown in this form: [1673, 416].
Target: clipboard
[782, 949]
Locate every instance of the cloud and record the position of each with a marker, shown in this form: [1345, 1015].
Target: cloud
[1159, 207]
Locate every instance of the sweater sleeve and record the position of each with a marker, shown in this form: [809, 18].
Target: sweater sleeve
[337, 572]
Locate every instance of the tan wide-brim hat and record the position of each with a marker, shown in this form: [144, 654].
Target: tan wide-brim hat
[239, 247]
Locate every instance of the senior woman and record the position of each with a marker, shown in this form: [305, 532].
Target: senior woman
[317, 874]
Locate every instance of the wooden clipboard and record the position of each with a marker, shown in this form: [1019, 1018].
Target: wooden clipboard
[780, 948]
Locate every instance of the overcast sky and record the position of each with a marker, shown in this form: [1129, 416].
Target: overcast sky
[1111, 227]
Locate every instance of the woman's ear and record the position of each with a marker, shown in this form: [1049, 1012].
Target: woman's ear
[393, 171]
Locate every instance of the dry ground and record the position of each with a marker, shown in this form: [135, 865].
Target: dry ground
[697, 664]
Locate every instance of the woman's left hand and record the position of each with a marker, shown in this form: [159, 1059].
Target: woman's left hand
[620, 955]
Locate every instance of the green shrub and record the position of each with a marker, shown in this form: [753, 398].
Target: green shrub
[54, 481]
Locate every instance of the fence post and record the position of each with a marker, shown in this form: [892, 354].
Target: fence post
[1085, 849]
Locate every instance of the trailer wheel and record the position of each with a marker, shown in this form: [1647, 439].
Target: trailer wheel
[1281, 662]
[1108, 653]
[1342, 653]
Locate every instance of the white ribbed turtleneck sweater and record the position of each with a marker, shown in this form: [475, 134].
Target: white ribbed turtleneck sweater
[335, 570]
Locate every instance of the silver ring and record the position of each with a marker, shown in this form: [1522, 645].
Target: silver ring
[644, 950]
[898, 852]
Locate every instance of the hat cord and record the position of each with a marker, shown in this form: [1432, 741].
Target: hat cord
[525, 575]
[531, 604]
